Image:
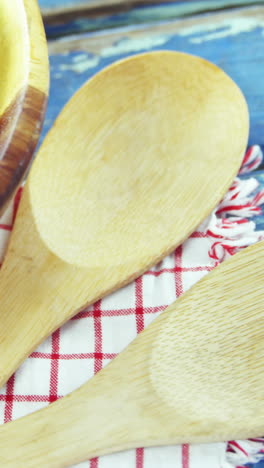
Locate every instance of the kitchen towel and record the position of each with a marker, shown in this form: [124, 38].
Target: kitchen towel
[79, 349]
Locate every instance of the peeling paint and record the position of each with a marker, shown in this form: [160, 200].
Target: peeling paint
[79, 58]
[84, 64]
[198, 34]
[228, 27]
[134, 45]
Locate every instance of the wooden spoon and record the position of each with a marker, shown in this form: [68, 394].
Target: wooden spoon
[137, 159]
[23, 92]
[194, 375]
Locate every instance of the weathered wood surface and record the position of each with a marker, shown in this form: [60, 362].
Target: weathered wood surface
[65, 8]
[233, 40]
[96, 16]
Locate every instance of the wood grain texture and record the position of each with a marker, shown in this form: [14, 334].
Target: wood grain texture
[57, 10]
[187, 378]
[18, 154]
[14, 52]
[116, 208]
[23, 92]
[115, 15]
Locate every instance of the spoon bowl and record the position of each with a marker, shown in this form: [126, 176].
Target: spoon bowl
[136, 160]
[194, 375]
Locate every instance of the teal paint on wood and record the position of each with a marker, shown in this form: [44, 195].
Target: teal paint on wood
[184, 7]
[136, 17]
[61, 4]
[235, 46]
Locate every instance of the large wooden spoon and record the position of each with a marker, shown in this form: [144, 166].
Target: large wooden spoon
[194, 375]
[137, 159]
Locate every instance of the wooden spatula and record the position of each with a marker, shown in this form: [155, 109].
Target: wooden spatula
[136, 160]
[194, 375]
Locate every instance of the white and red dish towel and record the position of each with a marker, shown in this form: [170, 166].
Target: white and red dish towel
[78, 350]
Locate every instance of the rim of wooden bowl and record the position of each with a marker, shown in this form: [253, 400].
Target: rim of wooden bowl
[24, 92]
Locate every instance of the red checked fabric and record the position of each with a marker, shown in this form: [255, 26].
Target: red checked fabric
[90, 340]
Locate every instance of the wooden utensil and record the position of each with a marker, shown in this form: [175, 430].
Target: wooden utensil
[194, 375]
[23, 92]
[137, 159]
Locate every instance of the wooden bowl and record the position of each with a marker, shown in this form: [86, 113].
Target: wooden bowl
[24, 78]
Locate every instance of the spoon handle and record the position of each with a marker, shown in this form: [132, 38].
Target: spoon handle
[39, 292]
[30, 302]
[67, 433]
[102, 416]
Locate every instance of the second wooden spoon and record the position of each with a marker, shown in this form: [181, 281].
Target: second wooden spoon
[194, 375]
[136, 160]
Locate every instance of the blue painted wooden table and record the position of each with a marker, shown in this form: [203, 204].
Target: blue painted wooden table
[87, 35]
[232, 39]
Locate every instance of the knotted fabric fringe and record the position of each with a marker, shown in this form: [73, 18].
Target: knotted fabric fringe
[231, 230]
[229, 225]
